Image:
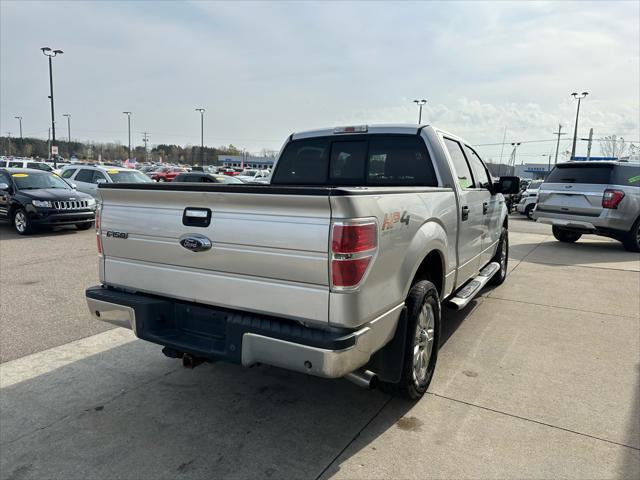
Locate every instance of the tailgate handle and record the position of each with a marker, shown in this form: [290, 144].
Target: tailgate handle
[196, 217]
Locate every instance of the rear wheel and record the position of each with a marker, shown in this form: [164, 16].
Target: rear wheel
[21, 222]
[566, 236]
[631, 241]
[423, 335]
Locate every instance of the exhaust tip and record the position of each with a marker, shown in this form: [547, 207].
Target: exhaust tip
[363, 378]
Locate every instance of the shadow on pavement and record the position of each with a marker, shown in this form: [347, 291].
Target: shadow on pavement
[129, 412]
[7, 232]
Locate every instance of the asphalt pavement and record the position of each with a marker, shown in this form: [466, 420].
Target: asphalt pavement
[537, 378]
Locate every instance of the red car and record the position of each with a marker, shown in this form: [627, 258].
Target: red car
[166, 174]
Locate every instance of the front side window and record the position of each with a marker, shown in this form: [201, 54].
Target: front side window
[98, 175]
[15, 164]
[463, 173]
[481, 178]
[39, 166]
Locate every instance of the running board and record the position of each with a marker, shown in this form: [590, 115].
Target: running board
[463, 296]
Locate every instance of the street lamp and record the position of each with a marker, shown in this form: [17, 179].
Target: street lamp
[48, 52]
[20, 120]
[515, 146]
[68, 115]
[201, 110]
[575, 130]
[420, 103]
[128, 114]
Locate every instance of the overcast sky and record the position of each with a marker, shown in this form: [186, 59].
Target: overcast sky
[263, 70]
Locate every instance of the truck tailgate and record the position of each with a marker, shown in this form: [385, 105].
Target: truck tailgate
[268, 255]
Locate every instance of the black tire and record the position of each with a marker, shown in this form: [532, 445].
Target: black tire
[21, 222]
[631, 241]
[84, 226]
[422, 337]
[529, 211]
[566, 236]
[502, 258]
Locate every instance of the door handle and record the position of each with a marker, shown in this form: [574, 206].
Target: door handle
[465, 213]
[485, 208]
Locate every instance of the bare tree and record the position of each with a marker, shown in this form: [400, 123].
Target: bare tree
[613, 146]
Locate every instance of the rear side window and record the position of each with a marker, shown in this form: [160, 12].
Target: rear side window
[358, 160]
[463, 173]
[626, 175]
[3, 163]
[567, 173]
[68, 173]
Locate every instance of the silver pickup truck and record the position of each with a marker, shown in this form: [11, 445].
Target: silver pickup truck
[337, 268]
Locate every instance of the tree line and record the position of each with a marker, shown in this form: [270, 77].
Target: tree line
[94, 151]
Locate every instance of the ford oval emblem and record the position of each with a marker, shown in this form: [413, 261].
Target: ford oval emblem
[195, 243]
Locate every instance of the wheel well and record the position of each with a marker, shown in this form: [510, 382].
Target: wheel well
[431, 269]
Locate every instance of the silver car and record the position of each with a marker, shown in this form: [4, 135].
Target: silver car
[87, 177]
[601, 198]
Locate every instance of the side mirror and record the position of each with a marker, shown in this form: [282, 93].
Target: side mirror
[74, 186]
[507, 185]
[4, 186]
[101, 180]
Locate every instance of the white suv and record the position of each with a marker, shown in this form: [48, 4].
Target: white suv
[529, 199]
[87, 177]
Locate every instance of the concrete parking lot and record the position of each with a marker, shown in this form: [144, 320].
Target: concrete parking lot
[538, 378]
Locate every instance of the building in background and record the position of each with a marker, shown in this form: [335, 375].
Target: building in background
[236, 161]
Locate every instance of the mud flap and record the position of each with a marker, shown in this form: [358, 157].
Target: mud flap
[386, 363]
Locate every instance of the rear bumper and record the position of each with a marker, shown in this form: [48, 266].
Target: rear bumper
[215, 333]
[595, 225]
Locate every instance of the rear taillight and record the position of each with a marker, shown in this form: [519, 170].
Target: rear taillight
[353, 246]
[98, 236]
[612, 198]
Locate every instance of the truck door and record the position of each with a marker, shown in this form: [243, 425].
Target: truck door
[471, 216]
[491, 206]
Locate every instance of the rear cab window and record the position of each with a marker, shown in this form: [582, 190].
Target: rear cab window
[589, 174]
[366, 160]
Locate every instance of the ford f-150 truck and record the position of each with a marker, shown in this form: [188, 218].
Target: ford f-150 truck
[337, 268]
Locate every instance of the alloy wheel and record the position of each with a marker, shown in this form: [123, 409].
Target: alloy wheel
[423, 343]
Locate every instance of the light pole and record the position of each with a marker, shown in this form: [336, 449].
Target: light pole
[515, 146]
[420, 103]
[68, 115]
[575, 130]
[20, 120]
[201, 110]
[558, 133]
[52, 53]
[128, 114]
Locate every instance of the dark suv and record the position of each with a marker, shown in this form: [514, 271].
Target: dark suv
[29, 198]
[592, 197]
